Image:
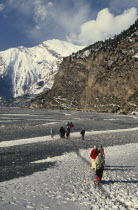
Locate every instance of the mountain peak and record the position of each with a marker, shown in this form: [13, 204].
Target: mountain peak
[32, 70]
[62, 47]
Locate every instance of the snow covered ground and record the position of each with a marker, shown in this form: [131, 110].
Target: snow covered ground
[38, 172]
[68, 183]
[56, 137]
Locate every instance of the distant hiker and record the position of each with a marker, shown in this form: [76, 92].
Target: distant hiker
[52, 133]
[68, 132]
[99, 167]
[42, 100]
[62, 132]
[70, 124]
[82, 133]
[101, 150]
[93, 155]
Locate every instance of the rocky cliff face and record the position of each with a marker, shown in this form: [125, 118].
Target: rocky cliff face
[101, 77]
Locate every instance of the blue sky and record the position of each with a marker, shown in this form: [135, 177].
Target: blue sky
[82, 22]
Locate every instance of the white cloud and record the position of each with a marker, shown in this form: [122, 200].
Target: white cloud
[73, 20]
[1, 7]
[40, 13]
[34, 9]
[50, 4]
[52, 15]
[106, 25]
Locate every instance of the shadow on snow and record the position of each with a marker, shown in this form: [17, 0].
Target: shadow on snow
[119, 181]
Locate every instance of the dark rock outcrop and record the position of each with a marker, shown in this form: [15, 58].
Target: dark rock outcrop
[102, 77]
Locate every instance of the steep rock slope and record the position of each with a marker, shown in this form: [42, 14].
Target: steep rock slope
[101, 77]
[31, 70]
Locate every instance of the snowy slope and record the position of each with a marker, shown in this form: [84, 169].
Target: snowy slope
[31, 70]
[69, 184]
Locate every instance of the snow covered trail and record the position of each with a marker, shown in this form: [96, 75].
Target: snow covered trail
[48, 138]
[69, 184]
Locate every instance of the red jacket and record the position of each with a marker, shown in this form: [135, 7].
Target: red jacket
[94, 153]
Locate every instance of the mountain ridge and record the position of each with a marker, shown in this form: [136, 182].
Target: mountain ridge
[24, 68]
[101, 77]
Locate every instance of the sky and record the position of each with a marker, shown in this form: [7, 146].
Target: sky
[82, 22]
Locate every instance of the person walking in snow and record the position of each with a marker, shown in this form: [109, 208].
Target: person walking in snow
[70, 125]
[52, 133]
[62, 132]
[99, 168]
[93, 155]
[82, 133]
[68, 132]
[101, 150]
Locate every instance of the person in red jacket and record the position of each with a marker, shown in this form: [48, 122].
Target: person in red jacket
[93, 155]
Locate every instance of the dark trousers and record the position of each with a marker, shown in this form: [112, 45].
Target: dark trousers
[99, 173]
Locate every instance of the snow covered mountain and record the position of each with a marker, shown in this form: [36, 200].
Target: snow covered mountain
[102, 77]
[32, 70]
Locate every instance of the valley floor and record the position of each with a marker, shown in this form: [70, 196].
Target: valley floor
[39, 173]
[68, 181]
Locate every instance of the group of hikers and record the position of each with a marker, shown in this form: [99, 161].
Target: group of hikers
[66, 132]
[98, 161]
[97, 154]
